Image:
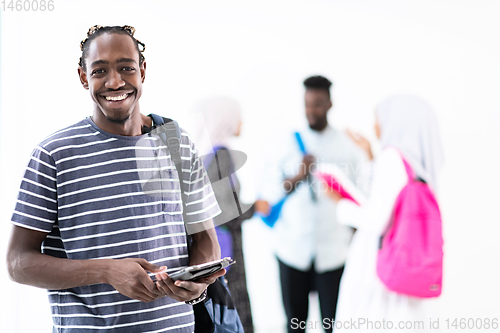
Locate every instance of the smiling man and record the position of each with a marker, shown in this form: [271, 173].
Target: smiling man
[85, 229]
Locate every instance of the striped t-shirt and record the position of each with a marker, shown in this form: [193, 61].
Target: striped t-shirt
[101, 195]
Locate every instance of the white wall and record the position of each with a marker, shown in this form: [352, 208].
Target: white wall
[259, 52]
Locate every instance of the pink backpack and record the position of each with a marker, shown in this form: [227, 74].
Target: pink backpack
[410, 259]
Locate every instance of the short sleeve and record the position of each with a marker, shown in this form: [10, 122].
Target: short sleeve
[36, 206]
[201, 204]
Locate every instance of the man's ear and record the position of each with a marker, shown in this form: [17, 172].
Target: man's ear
[143, 71]
[83, 77]
[330, 105]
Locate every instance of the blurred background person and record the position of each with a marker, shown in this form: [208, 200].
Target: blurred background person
[311, 246]
[223, 121]
[405, 125]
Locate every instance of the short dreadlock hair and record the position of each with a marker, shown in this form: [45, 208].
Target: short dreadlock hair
[98, 30]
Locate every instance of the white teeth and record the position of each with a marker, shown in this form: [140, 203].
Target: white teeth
[116, 98]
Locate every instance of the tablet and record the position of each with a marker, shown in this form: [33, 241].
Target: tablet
[202, 270]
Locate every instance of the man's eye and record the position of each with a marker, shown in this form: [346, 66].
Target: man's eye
[97, 71]
[128, 69]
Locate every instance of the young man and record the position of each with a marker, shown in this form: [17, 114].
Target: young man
[85, 225]
[311, 246]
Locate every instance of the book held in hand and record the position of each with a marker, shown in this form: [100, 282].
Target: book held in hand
[337, 180]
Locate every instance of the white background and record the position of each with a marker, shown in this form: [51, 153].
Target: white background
[259, 52]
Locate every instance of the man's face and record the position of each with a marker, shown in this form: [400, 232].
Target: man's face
[114, 77]
[317, 105]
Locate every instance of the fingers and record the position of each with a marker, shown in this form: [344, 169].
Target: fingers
[262, 206]
[166, 285]
[133, 281]
[144, 289]
[362, 142]
[140, 292]
[353, 135]
[308, 159]
[195, 289]
[333, 194]
[150, 267]
[144, 297]
[179, 290]
[150, 287]
[356, 136]
[211, 279]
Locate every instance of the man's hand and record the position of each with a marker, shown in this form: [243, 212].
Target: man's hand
[183, 291]
[204, 248]
[262, 206]
[307, 162]
[129, 278]
[305, 168]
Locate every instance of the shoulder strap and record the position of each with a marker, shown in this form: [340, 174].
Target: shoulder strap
[302, 147]
[208, 158]
[409, 170]
[231, 177]
[411, 178]
[157, 120]
[171, 135]
[214, 156]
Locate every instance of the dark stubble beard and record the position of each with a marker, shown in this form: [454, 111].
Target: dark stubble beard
[319, 125]
[119, 121]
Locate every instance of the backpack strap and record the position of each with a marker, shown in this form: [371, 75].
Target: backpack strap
[232, 176]
[171, 135]
[218, 292]
[302, 147]
[210, 157]
[409, 170]
[157, 120]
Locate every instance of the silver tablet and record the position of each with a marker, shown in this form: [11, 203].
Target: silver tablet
[202, 270]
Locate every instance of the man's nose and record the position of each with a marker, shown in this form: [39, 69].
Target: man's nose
[114, 80]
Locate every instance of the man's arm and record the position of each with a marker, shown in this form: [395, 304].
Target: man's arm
[205, 246]
[27, 265]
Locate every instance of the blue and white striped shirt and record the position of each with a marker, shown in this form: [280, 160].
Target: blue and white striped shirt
[100, 195]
